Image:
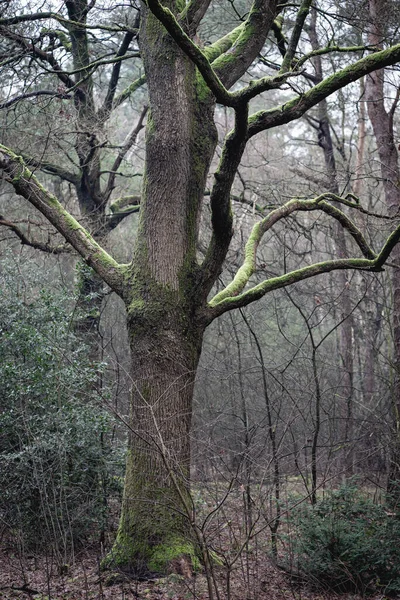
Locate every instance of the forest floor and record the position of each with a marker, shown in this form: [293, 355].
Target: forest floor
[253, 576]
[35, 578]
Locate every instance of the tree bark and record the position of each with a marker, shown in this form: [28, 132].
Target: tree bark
[382, 124]
[155, 531]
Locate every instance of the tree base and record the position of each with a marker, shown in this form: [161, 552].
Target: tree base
[143, 561]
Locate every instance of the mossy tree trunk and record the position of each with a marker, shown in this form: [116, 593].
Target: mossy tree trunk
[165, 331]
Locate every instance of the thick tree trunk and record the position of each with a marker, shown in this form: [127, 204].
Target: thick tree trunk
[155, 532]
[155, 529]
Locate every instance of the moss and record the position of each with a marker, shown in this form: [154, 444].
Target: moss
[222, 45]
[125, 204]
[165, 554]
[180, 5]
[122, 553]
[202, 90]
[65, 41]
[241, 41]
[128, 555]
[150, 125]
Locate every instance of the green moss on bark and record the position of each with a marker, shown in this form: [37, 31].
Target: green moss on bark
[128, 555]
[166, 554]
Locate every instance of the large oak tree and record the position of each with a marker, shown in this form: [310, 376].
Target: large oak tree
[167, 287]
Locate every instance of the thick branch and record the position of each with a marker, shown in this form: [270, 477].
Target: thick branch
[193, 14]
[228, 68]
[299, 105]
[51, 169]
[232, 297]
[167, 18]
[24, 18]
[231, 66]
[25, 184]
[219, 47]
[294, 40]
[112, 221]
[220, 201]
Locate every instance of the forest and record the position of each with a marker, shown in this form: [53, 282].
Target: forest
[199, 299]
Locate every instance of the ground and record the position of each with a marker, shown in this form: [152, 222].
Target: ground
[35, 578]
[253, 575]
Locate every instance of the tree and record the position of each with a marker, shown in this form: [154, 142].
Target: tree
[382, 121]
[166, 287]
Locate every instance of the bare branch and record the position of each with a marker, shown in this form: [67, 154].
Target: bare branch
[46, 57]
[25, 241]
[34, 95]
[51, 169]
[193, 14]
[128, 143]
[112, 85]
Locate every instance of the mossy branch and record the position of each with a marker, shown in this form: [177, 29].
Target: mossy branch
[27, 185]
[233, 296]
[219, 47]
[330, 50]
[299, 105]
[127, 92]
[233, 64]
[294, 40]
[275, 283]
[125, 204]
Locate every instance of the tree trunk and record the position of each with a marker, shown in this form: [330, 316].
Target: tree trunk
[382, 124]
[155, 528]
[345, 393]
[155, 532]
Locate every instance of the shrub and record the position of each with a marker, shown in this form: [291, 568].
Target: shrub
[348, 543]
[55, 453]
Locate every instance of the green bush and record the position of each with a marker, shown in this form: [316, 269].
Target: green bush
[347, 543]
[55, 453]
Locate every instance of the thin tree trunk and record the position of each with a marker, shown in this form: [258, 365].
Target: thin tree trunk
[382, 123]
[346, 329]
